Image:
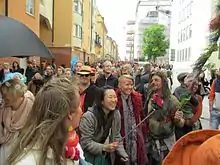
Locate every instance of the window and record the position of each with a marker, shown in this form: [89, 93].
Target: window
[187, 32]
[172, 55]
[30, 7]
[190, 31]
[179, 35]
[78, 7]
[78, 31]
[189, 53]
[183, 52]
[184, 34]
[178, 56]
[190, 8]
[186, 55]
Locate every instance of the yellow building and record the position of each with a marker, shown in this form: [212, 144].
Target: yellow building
[46, 22]
[56, 22]
[101, 33]
[111, 49]
[87, 29]
[77, 31]
[26, 11]
[108, 47]
[114, 50]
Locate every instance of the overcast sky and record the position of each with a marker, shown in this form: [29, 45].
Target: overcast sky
[116, 13]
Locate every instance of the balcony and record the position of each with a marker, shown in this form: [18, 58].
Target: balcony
[129, 45]
[131, 22]
[46, 11]
[98, 42]
[130, 38]
[129, 51]
[130, 32]
[149, 20]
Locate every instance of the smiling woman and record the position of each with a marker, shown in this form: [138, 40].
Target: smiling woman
[95, 126]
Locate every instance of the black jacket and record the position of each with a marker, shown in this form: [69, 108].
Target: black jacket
[111, 81]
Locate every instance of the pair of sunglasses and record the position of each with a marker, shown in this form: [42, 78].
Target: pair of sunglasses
[84, 75]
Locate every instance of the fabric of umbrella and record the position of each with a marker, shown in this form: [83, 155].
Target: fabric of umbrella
[18, 40]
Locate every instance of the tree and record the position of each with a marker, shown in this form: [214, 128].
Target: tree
[155, 43]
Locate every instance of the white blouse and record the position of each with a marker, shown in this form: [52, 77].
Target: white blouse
[33, 156]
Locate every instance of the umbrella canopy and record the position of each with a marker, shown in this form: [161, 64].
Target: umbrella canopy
[18, 40]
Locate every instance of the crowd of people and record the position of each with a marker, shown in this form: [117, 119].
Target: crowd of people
[101, 114]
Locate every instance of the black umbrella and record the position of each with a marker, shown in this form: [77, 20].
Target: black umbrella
[18, 40]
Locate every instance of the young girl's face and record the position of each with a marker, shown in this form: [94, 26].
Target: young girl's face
[110, 100]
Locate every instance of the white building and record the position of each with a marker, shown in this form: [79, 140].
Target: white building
[189, 32]
[146, 15]
[129, 31]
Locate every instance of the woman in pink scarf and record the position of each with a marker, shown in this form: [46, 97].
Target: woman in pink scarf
[17, 103]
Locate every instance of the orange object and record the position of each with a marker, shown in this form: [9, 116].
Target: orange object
[73, 139]
[196, 148]
[212, 92]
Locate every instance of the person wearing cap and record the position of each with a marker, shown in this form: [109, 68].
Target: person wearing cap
[181, 93]
[87, 89]
[196, 148]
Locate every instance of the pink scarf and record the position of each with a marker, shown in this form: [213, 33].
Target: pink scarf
[11, 122]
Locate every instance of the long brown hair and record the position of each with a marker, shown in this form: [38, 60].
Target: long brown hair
[166, 93]
[46, 125]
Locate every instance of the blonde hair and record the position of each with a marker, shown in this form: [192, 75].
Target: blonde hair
[67, 70]
[126, 76]
[14, 88]
[46, 125]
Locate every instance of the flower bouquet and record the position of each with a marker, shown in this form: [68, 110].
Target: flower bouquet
[157, 101]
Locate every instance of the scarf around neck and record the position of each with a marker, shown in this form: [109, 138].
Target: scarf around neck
[11, 122]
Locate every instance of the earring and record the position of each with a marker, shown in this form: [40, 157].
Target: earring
[70, 129]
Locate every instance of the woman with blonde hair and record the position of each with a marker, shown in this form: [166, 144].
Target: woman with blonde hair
[43, 139]
[68, 72]
[17, 104]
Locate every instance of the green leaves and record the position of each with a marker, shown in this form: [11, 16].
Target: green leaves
[155, 43]
[200, 62]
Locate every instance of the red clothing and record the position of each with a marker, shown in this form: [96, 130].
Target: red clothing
[82, 100]
[136, 99]
[197, 110]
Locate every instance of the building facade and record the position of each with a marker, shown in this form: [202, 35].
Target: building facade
[27, 12]
[68, 28]
[101, 35]
[111, 49]
[189, 33]
[149, 13]
[87, 29]
[129, 30]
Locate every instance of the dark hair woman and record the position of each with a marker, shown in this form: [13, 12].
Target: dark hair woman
[16, 67]
[99, 124]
